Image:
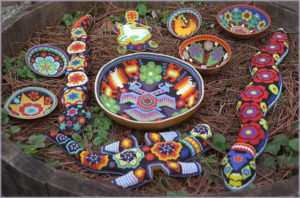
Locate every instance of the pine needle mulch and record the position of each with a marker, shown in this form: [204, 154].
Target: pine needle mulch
[217, 108]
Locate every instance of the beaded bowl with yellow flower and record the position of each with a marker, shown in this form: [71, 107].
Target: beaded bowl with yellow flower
[243, 21]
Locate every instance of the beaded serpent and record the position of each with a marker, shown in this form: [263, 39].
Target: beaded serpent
[239, 166]
[165, 151]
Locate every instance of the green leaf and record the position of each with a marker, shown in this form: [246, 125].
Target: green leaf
[52, 162]
[171, 194]
[7, 135]
[210, 161]
[97, 123]
[23, 52]
[209, 164]
[9, 59]
[268, 161]
[53, 148]
[105, 125]
[88, 128]
[165, 9]
[31, 75]
[4, 70]
[281, 139]
[142, 8]
[89, 135]
[97, 141]
[294, 144]
[21, 145]
[22, 73]
[288, 149]
[281, 162]
[292, 161]
[15, 129]
[119, 18]
[192, 5]
[67, 19]
[76, 137]
[78, 14]
[4, 117]
[96, 109]
[181, 193]
[81, 144]
[101, 114]
[164, 19]
[219, 138]
[103, 136]
[182, 3]
[30, 150]
[211, 180]
[272, 148]
[37, 140]
[222, 146]
[18, 61]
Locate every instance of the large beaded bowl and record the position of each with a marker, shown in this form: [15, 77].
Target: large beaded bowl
[148, 91]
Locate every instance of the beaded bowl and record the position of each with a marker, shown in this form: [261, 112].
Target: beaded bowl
[31, 103]
[184, 23]
[243, 21]
[47, 60]
[206, 53]
[148, 91]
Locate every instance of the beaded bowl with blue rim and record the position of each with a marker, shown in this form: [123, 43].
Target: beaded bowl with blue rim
[243, 21]
[31, 103]
[47, 60]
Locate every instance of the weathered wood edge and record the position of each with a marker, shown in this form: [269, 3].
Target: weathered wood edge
[18, 28]
[15, 162]
[24, 175]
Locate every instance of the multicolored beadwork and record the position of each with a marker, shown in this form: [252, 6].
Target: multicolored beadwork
[238, 166]
[205, 51]
[84, 22]
[47, 60]
[31, 103]
[184, 22]
[74, 118]
[133, 35]
[147, 87]
[76, 114]
[243, 20]
[136, 163]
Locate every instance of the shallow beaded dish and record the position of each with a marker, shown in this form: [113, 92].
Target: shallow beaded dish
[31, 103]
[184, 23]
[207, 53]
[47, 60]
[243, 21]
[148, 91]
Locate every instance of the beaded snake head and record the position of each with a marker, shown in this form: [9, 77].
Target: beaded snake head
[238, 166]
[164, 151]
